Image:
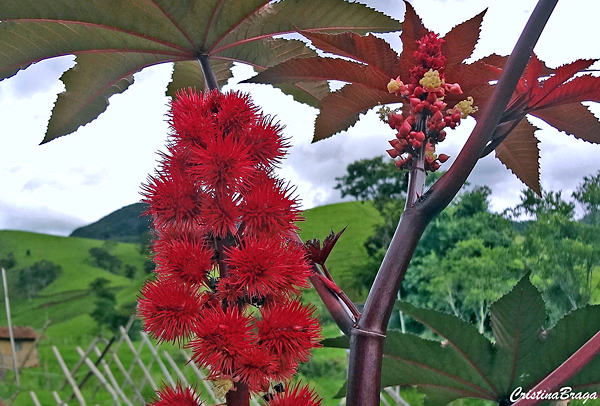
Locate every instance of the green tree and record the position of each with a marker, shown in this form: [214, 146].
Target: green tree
[33, 279]
[466, 259]
[102, 258]
[587, 195]
[105, 312]
[561, 252]
[8, 261]
[130, 271]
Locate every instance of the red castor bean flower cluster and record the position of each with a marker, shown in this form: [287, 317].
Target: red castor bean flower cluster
[424, 125]
[227, 273]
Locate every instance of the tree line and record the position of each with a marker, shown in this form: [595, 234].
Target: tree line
[470, 256]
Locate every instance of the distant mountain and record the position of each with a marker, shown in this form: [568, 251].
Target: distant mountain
[125, 224]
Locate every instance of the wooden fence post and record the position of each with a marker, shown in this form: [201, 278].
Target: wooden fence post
[69, 377]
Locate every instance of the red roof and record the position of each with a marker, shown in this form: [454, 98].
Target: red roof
[20, 332]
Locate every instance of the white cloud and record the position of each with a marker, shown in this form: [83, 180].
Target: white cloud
[79, 178]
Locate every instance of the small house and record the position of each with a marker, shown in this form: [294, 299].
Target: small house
[25, 346]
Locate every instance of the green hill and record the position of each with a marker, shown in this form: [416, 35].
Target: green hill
[68, 297]
[126, 224]
[67, 300]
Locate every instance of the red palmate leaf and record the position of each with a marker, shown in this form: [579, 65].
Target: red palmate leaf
[574, 119]
[299, 70]
[460, 41]
[366, 49]
[519, 153]
[412, 30]
[340, 110]
[561, 74]
[555, 100]
[582, 88]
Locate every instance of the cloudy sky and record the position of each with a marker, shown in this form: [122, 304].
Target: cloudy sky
[77, 179]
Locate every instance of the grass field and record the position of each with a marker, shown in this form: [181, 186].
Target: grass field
[68, 302]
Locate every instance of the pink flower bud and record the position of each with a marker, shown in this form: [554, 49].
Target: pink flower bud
[443, 158]
[392, 153]
[453, 88]
[432, 98]
[440, 105]
[404, 128]
[419, 136]
[437, 117]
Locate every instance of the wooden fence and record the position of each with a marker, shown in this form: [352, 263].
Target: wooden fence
[108, 374]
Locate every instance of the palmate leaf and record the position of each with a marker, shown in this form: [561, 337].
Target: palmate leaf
[114, 39]
[557, 101]
[519, 152]
[467, 364]
[371, 66]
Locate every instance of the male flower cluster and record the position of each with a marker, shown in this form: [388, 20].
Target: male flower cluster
[227, 274]
[423, 127]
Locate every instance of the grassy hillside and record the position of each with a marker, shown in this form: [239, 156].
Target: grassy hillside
[349, 253]
[68, 296]
[68, 302]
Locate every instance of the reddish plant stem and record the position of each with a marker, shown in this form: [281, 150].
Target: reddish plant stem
[239, 395]
[417, 174]
[342, 295]
[366, 340]
[566, 370]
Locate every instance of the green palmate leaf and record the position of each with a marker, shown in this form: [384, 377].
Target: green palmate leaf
[467, 364]
[461, 336]
[519, 152]
[139, 33]
[561, 341]
[75, 108]
[517, 319]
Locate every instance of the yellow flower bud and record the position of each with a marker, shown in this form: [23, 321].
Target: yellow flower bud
[222, 386]
[395, 85]
[431, 81]
[466, 107]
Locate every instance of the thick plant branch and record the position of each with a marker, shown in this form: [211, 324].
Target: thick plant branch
[366, 341]
[565, 371]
